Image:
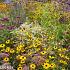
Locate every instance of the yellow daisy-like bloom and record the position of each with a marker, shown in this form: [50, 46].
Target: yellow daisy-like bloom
[43, 52]
[59, 49]
[2, 45]
[64, 62]
[32, 66]
[18, 48]
[46, 65]
[52, 37]
[21, 45]
[22, 50]
[6, 59]
[12, 50]
[61, 61]
[34, 45]
[55, 48]
[8, 41]
[30, 53]
[21, 30]
[64, 49]
[37, 49]
[30, 35]
[22, 61]
[2, 50]
[26, 33]
[7, 49]
[61, 55]
[52, 65]
[30, 46]
[67, 57]
[51, 57]
[45, 49]
[19, 68]
[23, 57]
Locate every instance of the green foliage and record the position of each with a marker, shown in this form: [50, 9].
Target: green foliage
[34, 10]
[2, 0]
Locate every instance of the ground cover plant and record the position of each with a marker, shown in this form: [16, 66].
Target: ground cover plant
[36, 36]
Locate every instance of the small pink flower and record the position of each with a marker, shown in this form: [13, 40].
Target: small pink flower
[25, 67]
[4, 54]
[11, 27]
[6, 19]
[2, 27]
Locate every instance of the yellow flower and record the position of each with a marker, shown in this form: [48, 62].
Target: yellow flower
[7, 49]
[19, 68]
[51, 57]
[26, 33]
[22, 50]
[55, 48]
[60, 49]
[18, 48]
[61, 55]
[30, 46]
[46, 65]
[6, 59]
[37, 44]
[8, 41]
[2, 50]
[67, 57]
[37, 49]
[45, 49]
[22, 61]
[2, 45]
[30, 35]
[12, 50]
[64, 62]
[21, 30]
[52, 65]
[21, 45]
[43, 52]
[32, 66]
[30, 53]
[52, 37]
[61, 61]
[23, 57]
[64, 49]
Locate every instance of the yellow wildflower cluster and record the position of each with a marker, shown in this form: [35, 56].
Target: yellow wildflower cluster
[31, 49]
[4, 7]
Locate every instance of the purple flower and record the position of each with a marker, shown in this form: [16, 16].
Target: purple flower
[68, 2]
[25, 67]
[18, 17]
[11, 27]
[5, 19]
[4, 54]
[2, 26]
[2, 19]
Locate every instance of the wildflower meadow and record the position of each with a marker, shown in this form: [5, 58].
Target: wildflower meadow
[34, 34]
